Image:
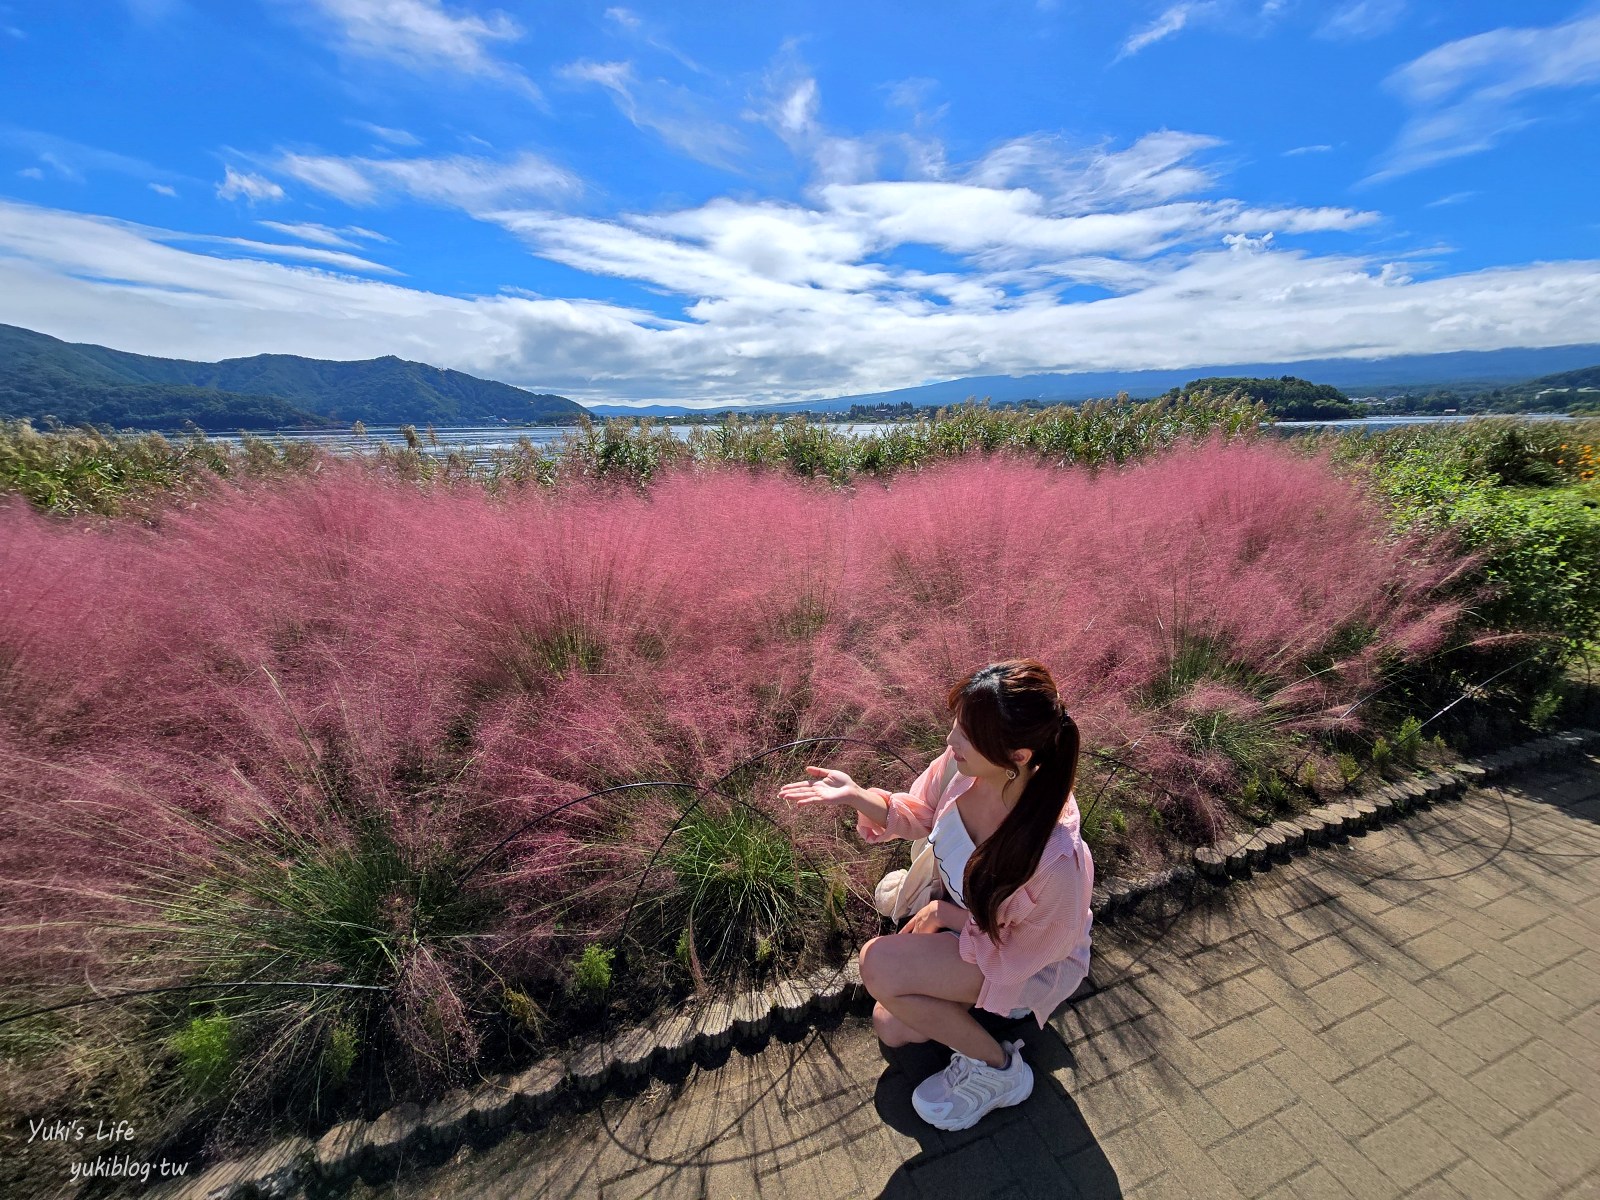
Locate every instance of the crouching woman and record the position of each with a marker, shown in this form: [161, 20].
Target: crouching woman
[1009, 927]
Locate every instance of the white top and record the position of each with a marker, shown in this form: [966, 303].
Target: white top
[952, 847]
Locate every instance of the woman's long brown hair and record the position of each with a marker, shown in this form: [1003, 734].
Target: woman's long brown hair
[1005, 707]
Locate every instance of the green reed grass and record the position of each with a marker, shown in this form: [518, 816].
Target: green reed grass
[738, 882]
[82, 471]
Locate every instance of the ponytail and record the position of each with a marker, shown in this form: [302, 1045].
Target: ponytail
[1006, 707]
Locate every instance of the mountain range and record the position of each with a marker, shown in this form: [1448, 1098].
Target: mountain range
[1353, 375]
[42, 376]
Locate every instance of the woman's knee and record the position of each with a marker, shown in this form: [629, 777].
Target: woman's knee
[891, 1030]
[874, 977]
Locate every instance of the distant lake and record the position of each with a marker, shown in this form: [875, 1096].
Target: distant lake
[478, 440]
[1377, 424]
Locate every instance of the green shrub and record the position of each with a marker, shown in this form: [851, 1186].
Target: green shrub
[1408, 741]
[1251, 745]
[1250, 793]
[737, 881]
[523, 1010]
[766, 951]
[1349, 769]
[1540, 546]
[339, 1055]
[1382, 754]
[1545, 706]
[1277, 790]
[344, 904]
[591, 974]
[205, 1052]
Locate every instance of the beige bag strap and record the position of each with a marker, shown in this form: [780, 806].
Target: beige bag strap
[917, 888]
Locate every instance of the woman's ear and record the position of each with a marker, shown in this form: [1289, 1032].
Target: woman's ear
[1021, 758]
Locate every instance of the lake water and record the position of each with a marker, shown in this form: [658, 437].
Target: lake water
[477, 441]
[1377, 424]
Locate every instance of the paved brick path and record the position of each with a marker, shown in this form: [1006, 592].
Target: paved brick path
[1414, 1013]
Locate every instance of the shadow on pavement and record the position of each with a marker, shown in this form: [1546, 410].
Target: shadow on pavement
[1042, 1147]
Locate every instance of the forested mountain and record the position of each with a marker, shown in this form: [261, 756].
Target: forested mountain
[1584, 377]
[1363, 376]
[43, 376]
[1288, 397]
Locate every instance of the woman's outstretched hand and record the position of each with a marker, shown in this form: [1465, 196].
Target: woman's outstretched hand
[826, 787]
[935, 916]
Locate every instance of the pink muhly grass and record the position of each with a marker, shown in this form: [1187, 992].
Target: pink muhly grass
[457, 665]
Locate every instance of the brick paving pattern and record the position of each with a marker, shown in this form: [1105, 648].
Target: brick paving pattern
[1415, 1012]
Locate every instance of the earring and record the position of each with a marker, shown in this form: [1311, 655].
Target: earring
[1011, 774]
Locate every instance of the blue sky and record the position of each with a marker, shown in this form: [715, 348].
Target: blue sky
[756, 202]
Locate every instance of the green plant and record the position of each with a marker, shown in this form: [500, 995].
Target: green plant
[1408, 741]
[1308, 776]
[205, 1053]
[1191, 657]
[591, 974]
[838, 901]
[339, 1055]
[1277, 791]
[524, 1010]
[1119, 822]
[737, 881]
[1252, 745]
[766, 951]
[1382, 754]
[1545, 706]
[1349, 769]
[1250, 793]
[1092, 828]
[1538, 545]
[341, 903]
[681, 952]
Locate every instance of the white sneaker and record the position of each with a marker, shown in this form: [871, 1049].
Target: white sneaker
[959, 1096]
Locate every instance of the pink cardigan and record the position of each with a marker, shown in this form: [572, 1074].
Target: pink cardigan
[1043, 954]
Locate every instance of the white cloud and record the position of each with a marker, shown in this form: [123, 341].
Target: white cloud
[424, 35]
[758, 333]
[1321, 148]
[459, 181]
[241, 185]
[395, 137]
[1452, 198]
[912, 93]
[796, 111]
[333, 258]
[1467, 95]
[1362, 19]
[1164, 26]
[615, 76]
[792, 109]
[1243, 243]
[162, 189]
[677, 115]
[74, 161]
[1155, 168]
[31, 173]
[325, 235]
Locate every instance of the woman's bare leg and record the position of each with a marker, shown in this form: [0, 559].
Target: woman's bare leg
[922, 980]
[891, 1030]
